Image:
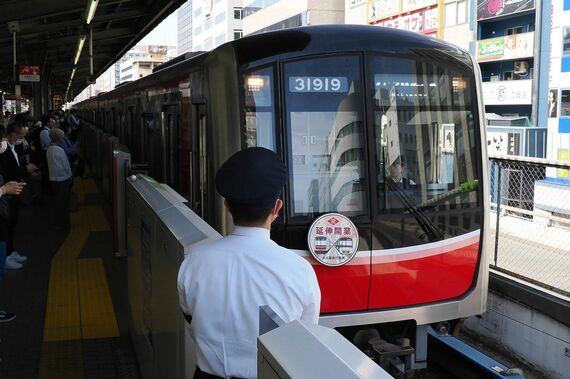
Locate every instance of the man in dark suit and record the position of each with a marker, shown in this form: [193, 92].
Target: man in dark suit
[14, 171]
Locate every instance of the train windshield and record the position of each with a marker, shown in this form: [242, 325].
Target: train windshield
[425, 136]
[325, 131]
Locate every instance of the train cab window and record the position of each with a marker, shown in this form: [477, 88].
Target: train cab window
[259, 109]
[425, 136]
[324, 120]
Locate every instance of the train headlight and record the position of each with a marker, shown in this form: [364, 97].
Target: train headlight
[254, 83]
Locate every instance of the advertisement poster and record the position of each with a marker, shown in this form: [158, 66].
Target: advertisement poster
[380, 9]
[494, 8]
[514, 46]
[424, 21]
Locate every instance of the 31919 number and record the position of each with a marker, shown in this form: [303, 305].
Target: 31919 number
[317, 84]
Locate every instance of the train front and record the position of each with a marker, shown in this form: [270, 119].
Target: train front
[381, 132]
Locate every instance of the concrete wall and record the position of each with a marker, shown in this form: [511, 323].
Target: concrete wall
[538, 339]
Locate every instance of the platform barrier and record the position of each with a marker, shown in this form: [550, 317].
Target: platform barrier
[302, 350]
[160, 231]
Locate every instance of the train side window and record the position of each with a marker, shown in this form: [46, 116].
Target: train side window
[325, 126]
[259, 108]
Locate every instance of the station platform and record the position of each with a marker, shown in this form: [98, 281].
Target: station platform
[71, 316]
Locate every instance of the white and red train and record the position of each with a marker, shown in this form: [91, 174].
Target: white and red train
[381, 126]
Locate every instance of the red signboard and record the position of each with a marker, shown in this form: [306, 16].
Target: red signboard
[29, 73]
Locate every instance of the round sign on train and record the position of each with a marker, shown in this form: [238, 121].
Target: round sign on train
[333, 239]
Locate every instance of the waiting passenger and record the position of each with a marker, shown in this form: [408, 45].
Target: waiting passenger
[222, 284]
[60, 177]
[10, 188]
[14, 170]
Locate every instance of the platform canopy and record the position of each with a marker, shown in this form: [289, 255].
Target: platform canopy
[49, 33]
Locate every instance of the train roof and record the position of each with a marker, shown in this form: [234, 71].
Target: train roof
[310, 40]
[339, 37]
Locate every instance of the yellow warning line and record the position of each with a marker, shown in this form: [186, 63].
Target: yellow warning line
[79, 304]
[97, 313]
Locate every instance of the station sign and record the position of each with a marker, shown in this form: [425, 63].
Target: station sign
[514, 46]
[29, 73]
[499, 8]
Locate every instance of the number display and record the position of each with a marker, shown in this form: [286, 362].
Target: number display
[318, 84]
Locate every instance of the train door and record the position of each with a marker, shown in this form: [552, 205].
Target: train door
[198, 163]
[170, 118]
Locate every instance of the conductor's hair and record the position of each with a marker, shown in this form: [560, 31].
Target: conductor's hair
[246, 215]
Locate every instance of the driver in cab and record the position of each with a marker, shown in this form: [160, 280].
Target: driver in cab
[222, 284]
[396, 170]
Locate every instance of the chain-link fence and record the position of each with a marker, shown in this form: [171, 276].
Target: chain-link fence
[530, 220]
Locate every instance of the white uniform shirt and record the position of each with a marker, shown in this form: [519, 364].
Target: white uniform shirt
[222, 285]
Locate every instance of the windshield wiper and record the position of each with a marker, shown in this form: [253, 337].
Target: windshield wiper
[433, 233]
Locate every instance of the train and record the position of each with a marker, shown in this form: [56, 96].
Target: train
[381, 129]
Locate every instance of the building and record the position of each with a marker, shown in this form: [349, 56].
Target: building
[263, 15]
[448, 20]
[554, 106]
[215, 22]
[505, 50]
[138, 67]
[185, 27]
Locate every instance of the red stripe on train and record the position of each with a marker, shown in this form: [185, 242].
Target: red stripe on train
[400, 277]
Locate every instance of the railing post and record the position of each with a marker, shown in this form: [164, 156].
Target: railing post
[499, 185]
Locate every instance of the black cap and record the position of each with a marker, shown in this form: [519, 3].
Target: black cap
[252, 177]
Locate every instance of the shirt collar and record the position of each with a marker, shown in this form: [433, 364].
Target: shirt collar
[247, 231]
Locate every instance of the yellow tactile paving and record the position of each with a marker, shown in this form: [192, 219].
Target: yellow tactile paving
[97, 313]
[79, 304]
[62, 320]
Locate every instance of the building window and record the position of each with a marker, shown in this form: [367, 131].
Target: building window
[198, 12]
[219, 18]
[238, 13]
[208, 44]
[238, 33]
[208, 23]
[565, 103]
[456, 12]
[566, 41]
[515, 30]
[219, 39]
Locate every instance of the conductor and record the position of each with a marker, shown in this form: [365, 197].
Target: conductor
[222, 284]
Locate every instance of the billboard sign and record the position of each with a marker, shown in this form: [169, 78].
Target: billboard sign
[495, 8]
[508, 92]
[380, 9]
[410, 5]
[29, 73]
[506, 47]
[424, 21]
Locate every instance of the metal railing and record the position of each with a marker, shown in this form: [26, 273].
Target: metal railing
[530, 220]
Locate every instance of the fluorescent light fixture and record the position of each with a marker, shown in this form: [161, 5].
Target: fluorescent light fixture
[90, 13]
[72, 75]
[79, 48]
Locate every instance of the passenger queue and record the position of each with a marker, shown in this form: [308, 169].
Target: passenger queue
[38, 159]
